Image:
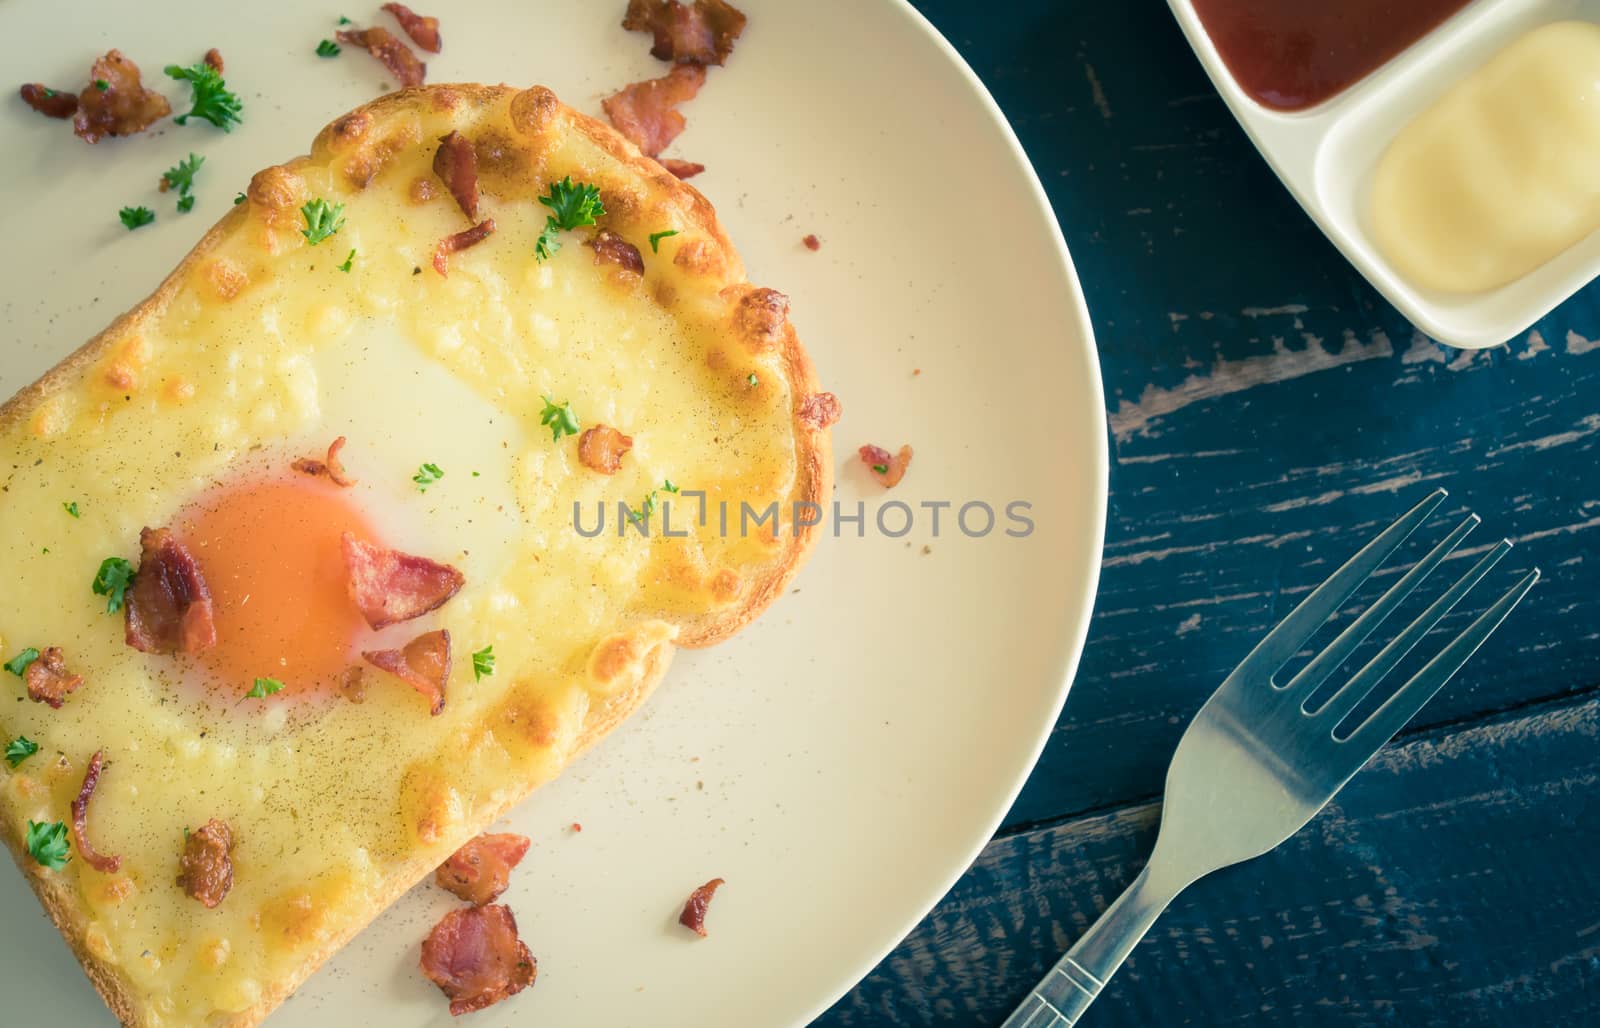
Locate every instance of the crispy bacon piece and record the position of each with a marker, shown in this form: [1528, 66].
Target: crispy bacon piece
[48, 679]
[682, 169]
[213, 60]
[480, 871]
[353, 684]
[80, 821]
[476, 959]
[423, 664]
[644, 111]
[694, 910]
[702, 34]
[610, 248]
[332, 466]
[601, 448]
[820, 410]
[423, 31]
[205, 871]
[894, 468]
[169, 607]
[460, 241]
[387, 48]
[123, 107]
[812, 243]
[389, 587]
[456, 164]
[52, 103]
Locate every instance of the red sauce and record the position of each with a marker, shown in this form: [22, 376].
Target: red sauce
[1294, 54]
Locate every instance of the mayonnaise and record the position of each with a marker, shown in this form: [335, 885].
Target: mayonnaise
[1502, 173]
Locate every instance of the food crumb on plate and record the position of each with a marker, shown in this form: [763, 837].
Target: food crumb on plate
[812, 243]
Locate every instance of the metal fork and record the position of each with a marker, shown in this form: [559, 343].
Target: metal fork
[1258, 761]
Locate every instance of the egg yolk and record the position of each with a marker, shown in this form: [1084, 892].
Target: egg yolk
[270, 555]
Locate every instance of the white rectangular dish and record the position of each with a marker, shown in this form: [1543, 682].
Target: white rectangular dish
[1327, 155]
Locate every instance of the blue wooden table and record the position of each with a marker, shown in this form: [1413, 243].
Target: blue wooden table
[1268, 413]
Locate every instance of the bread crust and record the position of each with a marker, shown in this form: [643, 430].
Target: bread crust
[813, 484]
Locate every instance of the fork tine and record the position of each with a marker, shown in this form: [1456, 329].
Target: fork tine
[1364, 681]
[1325, 600]
[1338, 651]
[1410, 698]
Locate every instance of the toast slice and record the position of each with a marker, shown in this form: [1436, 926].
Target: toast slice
[495, 398]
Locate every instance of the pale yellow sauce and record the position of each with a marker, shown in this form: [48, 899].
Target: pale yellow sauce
[1502, 173]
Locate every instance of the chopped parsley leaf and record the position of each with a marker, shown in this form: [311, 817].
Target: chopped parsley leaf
[882, 469]
[18, 665]
[575, 205]
[112, 581]
[753, 380]
[212, 99]
[667, 486]
[47, 843]
[323, 219]
[426, 476]
[328, 48]
[656, 237]
[560, 419]
[71, 508]
[136, 217]
[548, 244]
[181, 177]
[102, 85]
[263, 687]
[483, 663]
[185, 204]
[345, 21]
[347, 261]
[238, 199]
[20, 749]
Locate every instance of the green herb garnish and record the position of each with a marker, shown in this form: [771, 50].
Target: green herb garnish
[575, 205]
[102, 85]
[71, 508]
[328, 48]
[656, 237]
[753, 380]
[20, 749]
[426, 476]
[212, 99]
[560, 419]
[348, 261]
[482, 663]
[47, 844]
[238, 199]
[112, 581]
[18, 665]
[264, 687]
[181, 176]
[882, 469]
[136, 217]
[323, 219]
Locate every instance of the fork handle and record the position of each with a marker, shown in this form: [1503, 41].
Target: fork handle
[1066, 991]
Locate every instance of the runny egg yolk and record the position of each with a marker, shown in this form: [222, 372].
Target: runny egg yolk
[270, 555]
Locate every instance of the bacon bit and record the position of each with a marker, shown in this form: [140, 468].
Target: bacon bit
[52, 103]
[423, 31]
[820, 410]
[601, 448]
[894, 468]
[458, 242]
[353, 684]
[169, 606]
[423, 664]
[456, 164]
[390, 587]
[610, 248]
[480, 871]
[476, 959]
[812, 243]
[123, 107]
[682, 169]
[644, 110]
[387, 48]
[205, 871]
[80, 821]
[213, 58]
[694, 910]
[48, 679]
[331, 467]
[576, 827]
[702, 34]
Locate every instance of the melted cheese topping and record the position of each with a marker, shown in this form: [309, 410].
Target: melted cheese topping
[266, 352]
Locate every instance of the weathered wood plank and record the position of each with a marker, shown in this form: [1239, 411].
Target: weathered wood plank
[1448, 885]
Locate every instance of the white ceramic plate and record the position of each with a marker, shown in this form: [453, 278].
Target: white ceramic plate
[841, 762]
[1327, 155]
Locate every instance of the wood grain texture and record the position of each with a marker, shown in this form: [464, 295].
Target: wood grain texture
[1441, 888]
[1268, 413]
